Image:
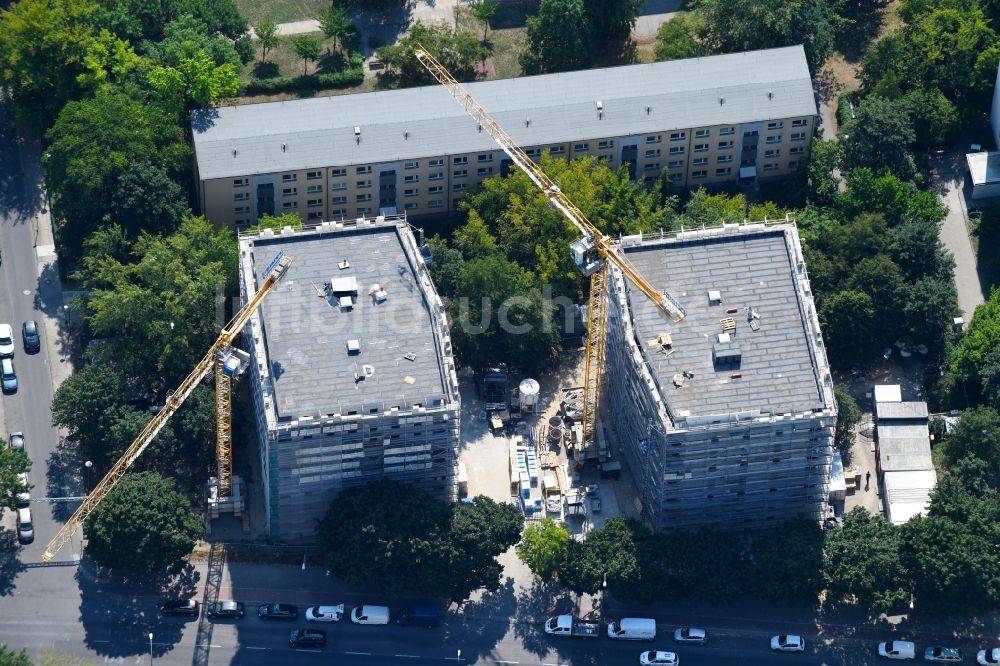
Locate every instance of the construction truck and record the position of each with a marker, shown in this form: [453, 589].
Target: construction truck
[567, 625]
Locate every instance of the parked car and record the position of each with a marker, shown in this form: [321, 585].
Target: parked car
[307, 638]
[29, 337]
[16, 441]
[179, 607]
[226, 610]
[897, 650]
[690, 635]
[943, 655]
[325, 613]
[8, 376]
[277, 612]
[6, 341]
[988, 657]
[23, 499]
[420, 615]
[787, 643]
[25, 530]
[659, 658]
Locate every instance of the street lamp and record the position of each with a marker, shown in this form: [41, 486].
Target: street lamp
[458, 657]
[151, 648]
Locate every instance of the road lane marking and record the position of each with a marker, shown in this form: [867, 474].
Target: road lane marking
[303, 650]
[363, 654]
[251, 647]
[407, 656]
[207, 645]
[97, 641]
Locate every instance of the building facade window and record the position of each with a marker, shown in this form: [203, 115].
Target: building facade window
[289, 177]
[770, 166]
[676, 177]
[435, 189]
[699, 161]
[725, 145]
[241, 196]
[436, 203]
[796, 150]
[606, 144]
[411, 179]
[581, 147]
[678, 136]
[363, 184]
[484, 171]
[484, 157]
[675, 164]
[702, 134]
[364, 211]
[315, 215]
[337, 186]
[777, 125]
[338, 212]
[411, 165]
[724, 159]
[727, 131]
[361, 170]
[794, 164]
[364, 196]
[241, 182]
[290, 205]
[338, 200]
[654, 138]
[437, 175]
[676, 150]
[533, 153]
[725, 171]
[772, 152]
[412, 192]
[410, 205]
[773, 138]
[800, 122]
[701, 147]
[458, 187]
[437, 162]
[653, 153]
[557, 150]
[798, 136]
[460, 160]
[314, 189]
[314, 175]
[700, 173]
[289, 191]
[241, 209]
[652, 166]
[314, 203]
[460, 173]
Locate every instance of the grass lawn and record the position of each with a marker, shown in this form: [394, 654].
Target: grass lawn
[281, 11]
[282, 61]
[508, 42]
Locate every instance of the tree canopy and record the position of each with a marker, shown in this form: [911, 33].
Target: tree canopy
[557, 38]
[414, 543]
[544, 547]
[459, 52]
[862, 562]
[13, 463]
[142, 525]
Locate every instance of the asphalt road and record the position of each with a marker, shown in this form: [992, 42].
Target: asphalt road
[29, 289]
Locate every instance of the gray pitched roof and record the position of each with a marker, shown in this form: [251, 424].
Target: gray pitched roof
[426, 122]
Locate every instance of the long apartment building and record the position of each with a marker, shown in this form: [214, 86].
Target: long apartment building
[352, 373]
[727, 417]
[740, 117]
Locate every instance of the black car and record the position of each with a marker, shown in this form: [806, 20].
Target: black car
[226, 609]
[179, 607]
[307, 638]
[277, 612]
[29, 334]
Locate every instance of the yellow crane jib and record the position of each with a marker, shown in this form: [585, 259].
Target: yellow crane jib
[276, 270]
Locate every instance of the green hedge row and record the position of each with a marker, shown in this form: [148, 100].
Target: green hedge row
[844, 107]
[350, 77]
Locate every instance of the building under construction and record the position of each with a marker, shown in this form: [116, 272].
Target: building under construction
[726, 418]
[352, 374]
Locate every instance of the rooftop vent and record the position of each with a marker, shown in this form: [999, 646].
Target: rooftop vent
[353, 346]
[770, 94]
[600, 109]
[649, 110]
[722, 100]
[527, 122]
[284, 147]
[406, 135]
[357, 134]
[714, 297]
[726, 353]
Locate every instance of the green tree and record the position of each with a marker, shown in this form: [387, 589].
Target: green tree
[747, 25]
[861, 561]
[934, 116]
[9, 657]
[108, 60]
[610, 554]
[824, 157]
[459, 52]
[707, 209]
[848, 321]
[335, 24]
[308, 48]
[143, 525]
[484, 11]
[557, 38]
[848, 416]
[479, 533]
[679, 37]
[611, 22]
[896, 200]
[146, 198]
[885, 284]
[185, 36]
[267, 36]
[13, 463]
[81, 401]
[446, 266]
[544, 547]
[976, 434]
[880, 137]
[982, 336]
[788, 561]
[930, 309]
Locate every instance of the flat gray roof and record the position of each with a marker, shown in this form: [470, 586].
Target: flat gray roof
[896, 411]
[307, 333]
[903, 446]
[984, 168]
[749, 269]
[426, 121]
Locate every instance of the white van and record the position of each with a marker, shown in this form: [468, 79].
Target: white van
[633, 629]
[370, 615]
[897, 650]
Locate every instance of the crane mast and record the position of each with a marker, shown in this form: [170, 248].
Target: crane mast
[593, 252]
[171, 405]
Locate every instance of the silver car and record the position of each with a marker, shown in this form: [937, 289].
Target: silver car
[690, 635]
[8, 376]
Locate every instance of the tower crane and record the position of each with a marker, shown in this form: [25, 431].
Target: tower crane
[593, 252]
[220, 357]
